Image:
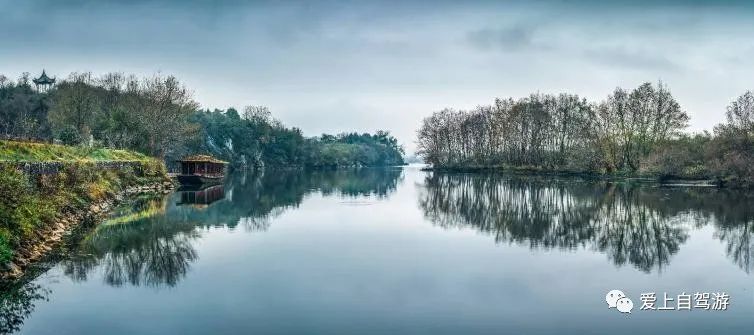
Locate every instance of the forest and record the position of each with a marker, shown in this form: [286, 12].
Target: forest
[639, 132]
[158, 116]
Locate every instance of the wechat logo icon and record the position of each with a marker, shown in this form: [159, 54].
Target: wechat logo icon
[618, 300]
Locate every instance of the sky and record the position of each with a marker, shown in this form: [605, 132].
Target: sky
[336, 66]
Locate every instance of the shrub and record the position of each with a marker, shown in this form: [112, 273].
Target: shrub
[6, 251]
[20, 210]
[69, 136]
[683, 157]
[731, 158]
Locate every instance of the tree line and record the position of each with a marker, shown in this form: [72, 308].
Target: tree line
[630, 132]
[158, 116]
[252, 137]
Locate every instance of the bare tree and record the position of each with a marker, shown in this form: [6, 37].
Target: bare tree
[741, 113]
[163, 106]
[554, 131]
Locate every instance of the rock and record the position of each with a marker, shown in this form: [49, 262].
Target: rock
[14, 271]
[22, 253]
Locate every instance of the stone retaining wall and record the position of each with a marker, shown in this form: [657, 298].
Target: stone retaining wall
[54, 167]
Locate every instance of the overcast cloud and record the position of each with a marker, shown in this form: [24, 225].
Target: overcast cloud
[339, 66]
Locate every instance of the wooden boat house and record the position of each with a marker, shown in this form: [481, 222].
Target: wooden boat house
[201, 169]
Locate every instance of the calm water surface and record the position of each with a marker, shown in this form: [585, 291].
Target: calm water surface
[399, 251]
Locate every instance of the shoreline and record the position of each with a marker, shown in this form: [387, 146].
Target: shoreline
[663, 181]
[52, 235]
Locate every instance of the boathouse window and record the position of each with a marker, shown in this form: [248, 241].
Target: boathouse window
[201, 165]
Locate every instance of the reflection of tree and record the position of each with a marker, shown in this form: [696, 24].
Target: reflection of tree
[378, 182]
[161, 261]
[253, 199]
[151, 241]
[510, 209]
[17, 303]
[735, 228]
[149, 250]
[631, 231]
[556, 213]
[739, 243]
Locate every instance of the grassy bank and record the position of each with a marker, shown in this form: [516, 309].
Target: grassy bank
[30, 203]
[36, 152]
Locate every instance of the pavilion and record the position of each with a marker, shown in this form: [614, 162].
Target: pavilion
[43, 83]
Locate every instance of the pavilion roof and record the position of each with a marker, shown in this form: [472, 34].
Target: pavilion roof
[44, 79]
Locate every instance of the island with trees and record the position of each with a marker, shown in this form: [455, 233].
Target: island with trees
[637, 132]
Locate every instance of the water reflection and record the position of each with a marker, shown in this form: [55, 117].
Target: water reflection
[155, 242]
[641, 225]
[141, 248]
[202, 195]
[17, 303]
[150, 242]
[735, 228]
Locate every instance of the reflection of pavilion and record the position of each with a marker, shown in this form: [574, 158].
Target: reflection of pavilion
[202, 195]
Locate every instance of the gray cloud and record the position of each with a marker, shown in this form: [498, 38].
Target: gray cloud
[330, 65]
[631, 59]
[517, 37]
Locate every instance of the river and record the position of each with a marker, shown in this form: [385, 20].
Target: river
[401, 251]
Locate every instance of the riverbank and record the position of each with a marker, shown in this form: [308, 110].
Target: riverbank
[46, 190]
[663, 180]
[50, 236]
